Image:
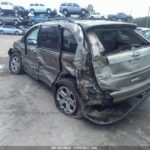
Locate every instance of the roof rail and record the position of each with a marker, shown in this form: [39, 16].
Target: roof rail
[62, 19]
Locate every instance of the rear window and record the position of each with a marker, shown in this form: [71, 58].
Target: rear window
[119, 40]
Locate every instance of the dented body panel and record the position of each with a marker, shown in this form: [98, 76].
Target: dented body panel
[101, 79]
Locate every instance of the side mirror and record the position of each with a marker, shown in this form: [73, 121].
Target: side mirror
[31, 42]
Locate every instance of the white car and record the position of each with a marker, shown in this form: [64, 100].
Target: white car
[6, 29]
[41, 8]
[6, 6]
[96, 15]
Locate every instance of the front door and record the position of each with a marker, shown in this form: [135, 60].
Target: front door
[30, 58]
[48, 53]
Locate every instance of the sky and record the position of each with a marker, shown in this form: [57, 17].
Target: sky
[137, 8]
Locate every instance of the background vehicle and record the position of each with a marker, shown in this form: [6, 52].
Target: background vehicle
[21, 11]
[120, 66]
[72, 8]
[142, 30]
[120, 17]
[36, 19]
[6, 29]
[39, 8]
[5, 6]
[10, 19]
[96, 15]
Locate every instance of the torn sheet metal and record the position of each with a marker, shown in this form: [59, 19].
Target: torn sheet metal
[114, 113]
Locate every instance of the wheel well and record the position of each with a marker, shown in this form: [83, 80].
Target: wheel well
[11, 51]
[62, 77]
[65, 10]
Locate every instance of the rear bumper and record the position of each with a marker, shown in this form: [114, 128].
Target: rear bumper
[131, 91]
[114, 113]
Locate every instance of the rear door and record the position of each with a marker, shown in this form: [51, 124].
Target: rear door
[49, 53]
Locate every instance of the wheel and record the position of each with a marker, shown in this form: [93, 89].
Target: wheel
[32, 11]
[1, 22]
[92, 17]
[67, 99]
[65, 12]
[15, 22]
[32, 22]
[83, 12]
[1, 32]
[113, 19]
[15, 64]
[48, 11]
[17, 33]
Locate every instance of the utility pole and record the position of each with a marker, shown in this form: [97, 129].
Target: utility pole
[148, 17]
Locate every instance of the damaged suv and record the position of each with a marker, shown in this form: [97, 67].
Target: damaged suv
[97, 69]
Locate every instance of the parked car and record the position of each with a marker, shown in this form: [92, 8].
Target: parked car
[39, 8]
[142, 30]
[120, 17]
[72, 8]
[36, 19]
[96, 15]
[99, 70]
[147, 35]
[55, 14]
[7, 29]
[5, 6]
[10, 19]
[24, 28]
[21, 11]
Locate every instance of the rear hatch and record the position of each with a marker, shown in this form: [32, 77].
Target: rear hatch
[124, 73]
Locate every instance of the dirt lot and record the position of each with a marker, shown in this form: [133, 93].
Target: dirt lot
[28, 115]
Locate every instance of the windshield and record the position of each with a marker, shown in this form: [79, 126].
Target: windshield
[119, 40]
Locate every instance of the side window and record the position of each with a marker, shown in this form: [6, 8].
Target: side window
[69, 42]
[49, 37]
[32, 36]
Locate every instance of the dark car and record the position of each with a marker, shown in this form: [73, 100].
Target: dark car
[120, 17]
[98, 70]
[21, 11]
[10, 19]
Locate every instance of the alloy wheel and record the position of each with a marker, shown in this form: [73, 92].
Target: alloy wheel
[15, 64]
[66, 100]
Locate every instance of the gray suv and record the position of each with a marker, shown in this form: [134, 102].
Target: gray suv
[72, 8]
[10, 19]
[99, 70]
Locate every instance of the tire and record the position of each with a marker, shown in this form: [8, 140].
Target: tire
[16, 22]
[83, 12]
[92, 17]
[113, 19]
[1, 32]
[65, 12]
[67, 99]
[48, 11]
[32, 23]
[17, 33]
[32, 11]
[15, 64]
[1, 22]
